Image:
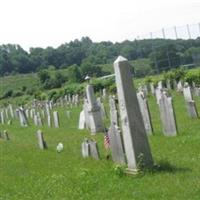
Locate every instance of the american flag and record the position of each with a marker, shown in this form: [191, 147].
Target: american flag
[106, 140]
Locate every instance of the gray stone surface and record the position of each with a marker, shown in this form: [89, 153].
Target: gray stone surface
[5, 135]
[167, 115]
[94, 151]
[116, 145]
[81, 124]
[113, 111]
[85, 148]
[11, 111]
[134, 135]
[187, 92]
[191, 109]
[144, 108]
[180, 86]
[95, 118]
[41, 141]
[168, 83]
[22, 117]
[56, 119]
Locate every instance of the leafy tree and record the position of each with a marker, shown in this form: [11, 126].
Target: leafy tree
[74, 74]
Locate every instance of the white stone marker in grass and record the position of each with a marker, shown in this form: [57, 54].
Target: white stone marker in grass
[167, 115]
[41, 142]
[144, 108]
[56, 119]
[134, 135]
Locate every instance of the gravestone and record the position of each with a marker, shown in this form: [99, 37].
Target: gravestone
[27, 113]
[6, 113]
[41, 142]
[167, 115]
[11, 111]
[134, 135]
[56, 119]
[116, 145]
[113, 111]
[5, 135]
[160, 85]
[94, 151]
[2, 117]
[104, 93]
[168, 83]
[102, 109]
[49, 120]
[197, 91]
[191, 109]
[85, 148]
[152, 89]
[180, 86]
[158, 93]
[95, 119]
[144, 108]
[187, 92]
[22, 117]
[86, 112]
[81, 124]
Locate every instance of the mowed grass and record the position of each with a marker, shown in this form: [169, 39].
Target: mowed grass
[26, 172]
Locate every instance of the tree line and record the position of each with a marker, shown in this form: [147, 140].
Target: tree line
[85, 56]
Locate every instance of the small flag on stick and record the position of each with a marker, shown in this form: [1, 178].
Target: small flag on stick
[106, 140]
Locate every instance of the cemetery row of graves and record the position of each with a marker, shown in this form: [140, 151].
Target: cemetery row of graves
[125, 122]
[124, 119]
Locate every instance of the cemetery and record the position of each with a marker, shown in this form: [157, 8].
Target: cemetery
[141, 142]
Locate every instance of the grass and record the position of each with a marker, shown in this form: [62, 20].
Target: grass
[29, 173]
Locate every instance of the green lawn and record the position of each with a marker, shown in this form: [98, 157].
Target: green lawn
[27, 173]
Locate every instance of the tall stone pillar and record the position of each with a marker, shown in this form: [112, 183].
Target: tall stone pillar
[134, 135]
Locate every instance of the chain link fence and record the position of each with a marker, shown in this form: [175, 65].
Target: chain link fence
[169, 59]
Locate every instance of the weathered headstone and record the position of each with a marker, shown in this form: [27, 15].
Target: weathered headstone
[11, 111]
[116, 145]
[56, 119]
[95, 119]
[144, 108]
[158, 93]
[187, 92]
[168, 83]
[2, 117]
[81, 124]
[94, 151]
[134, 135]
[113, 111]
[167, 115]
[49, 120]
[41, 142]
[180, 86]
[191, 109]
[22, 117]
[85, 148]
[5, 135]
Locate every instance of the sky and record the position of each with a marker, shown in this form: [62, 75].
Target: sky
[42, 23]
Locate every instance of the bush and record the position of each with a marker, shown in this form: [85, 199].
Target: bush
[7, 94]
[192, 77]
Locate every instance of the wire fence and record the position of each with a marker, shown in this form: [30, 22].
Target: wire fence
[170, 60]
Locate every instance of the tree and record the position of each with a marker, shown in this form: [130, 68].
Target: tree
[73, 74]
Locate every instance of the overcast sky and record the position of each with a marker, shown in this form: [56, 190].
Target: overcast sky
[33, 23]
